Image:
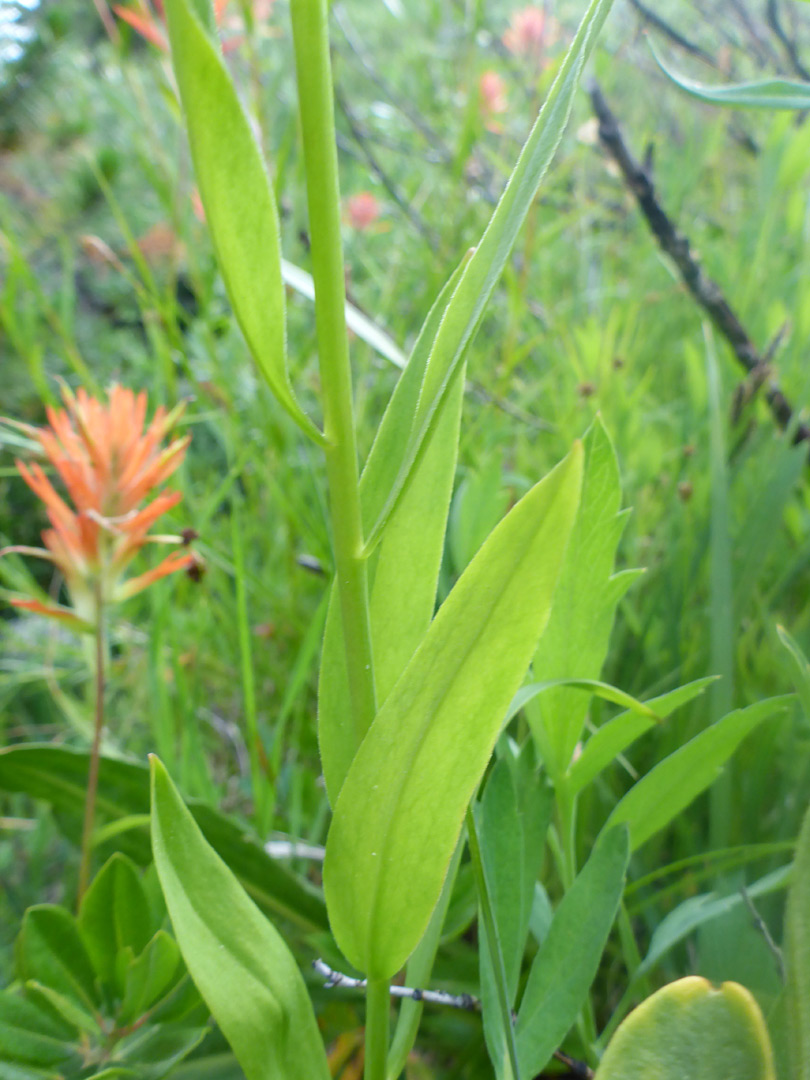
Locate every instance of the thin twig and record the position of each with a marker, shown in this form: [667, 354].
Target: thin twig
[787, 43]
[675, 36]
[393, 190]
[400, 103]
[431, 997]
[762, 926]
[704, 290]
[466, 1002]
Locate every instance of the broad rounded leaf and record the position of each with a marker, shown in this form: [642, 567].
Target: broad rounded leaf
[693, 1030]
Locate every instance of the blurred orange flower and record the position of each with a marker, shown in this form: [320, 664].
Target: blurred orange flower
[492, 90]
[109, 463]
[150, 22]
[362, 210]
[530, 32]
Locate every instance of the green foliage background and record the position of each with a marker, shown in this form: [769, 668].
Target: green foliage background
[588, 318]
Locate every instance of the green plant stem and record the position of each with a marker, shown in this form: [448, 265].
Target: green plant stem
[378, 1018]
[495, 952]
[263, 798]
[95, 753]
[315, 99]
[418, 973]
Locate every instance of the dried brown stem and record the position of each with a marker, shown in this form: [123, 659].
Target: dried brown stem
[706, 292]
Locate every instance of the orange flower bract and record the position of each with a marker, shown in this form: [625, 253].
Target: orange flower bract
[109, 461]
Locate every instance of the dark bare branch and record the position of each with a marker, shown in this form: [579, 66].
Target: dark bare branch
[704, 290]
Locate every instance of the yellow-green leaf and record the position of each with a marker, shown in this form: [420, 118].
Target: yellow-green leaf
[691, 1030]
[401, 807]
[237, 959]
[239, 204]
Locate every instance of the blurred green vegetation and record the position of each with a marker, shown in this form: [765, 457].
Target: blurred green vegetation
[107, 274]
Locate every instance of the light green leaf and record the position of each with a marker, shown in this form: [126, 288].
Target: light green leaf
[150, 977]
[50, 951]
[591, 686]
[238, 961]
[33, 1033]
[668, 788]
[239, 205]
[567, 961]
[401, 807]
[797, 959]
[481, 274]
[575, 641]
[114, 914]
[153, 1050]
[691, 1029]
[697, 910]
[617, 734]
[764, 94]
[67, 1007]
[406, 567]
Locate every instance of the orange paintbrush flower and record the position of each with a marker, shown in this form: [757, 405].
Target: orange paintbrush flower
[109, 461]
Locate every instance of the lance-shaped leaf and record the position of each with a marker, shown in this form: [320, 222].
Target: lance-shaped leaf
[691, 1029]
[238, 961]
[567, 962]
[481, 274]
[617, 734]
[762, 94]
[405, 567]
[575, 642]
[401, 807]
[674, 782]
[239, 205]
[797, 958]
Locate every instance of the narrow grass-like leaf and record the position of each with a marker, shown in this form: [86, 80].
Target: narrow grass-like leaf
[598, 689]
[566, 964]
[401, 807]
[691, 1029]
[801, 668]
[672, 785]
[617, 734]
[238, 961]
[762, 94]
[797, 958]
[405, 569]
[481, 274]
[575, 642]
[511, 832]
[721, 592]
[697, 910]
[239, 204]
[58, 775]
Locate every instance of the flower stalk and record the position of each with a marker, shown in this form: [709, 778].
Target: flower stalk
[95, 751]
[316, 105]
